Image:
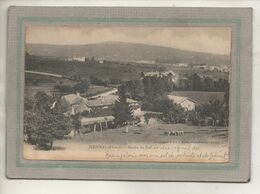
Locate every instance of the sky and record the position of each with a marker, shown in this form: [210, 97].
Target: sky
[216, 40]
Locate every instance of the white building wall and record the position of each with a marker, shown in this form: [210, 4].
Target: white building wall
[188, 105]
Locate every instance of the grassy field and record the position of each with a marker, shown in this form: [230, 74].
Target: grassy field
[146, 143]
[108, 69]
[154, 133]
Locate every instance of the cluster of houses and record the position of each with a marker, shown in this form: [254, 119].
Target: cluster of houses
[212, 68]
[174, 76]
[76, 104]
[221, 68]
[84, 59]
[80, 59]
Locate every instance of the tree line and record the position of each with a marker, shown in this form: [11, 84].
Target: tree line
[195, 82]
[80, 86]
[154, 86]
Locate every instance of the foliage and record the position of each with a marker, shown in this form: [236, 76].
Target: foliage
[148, 106]
[42, 102]
[63, 89]
[134, 89]
[196, 82]
[156, 86]
[217, 109]
[99, 82]
[149, 115]
[42, 125]
[76, 124]
[147, 118]
[172, 112]
[123, 113]
[195, 116]
[81, 86]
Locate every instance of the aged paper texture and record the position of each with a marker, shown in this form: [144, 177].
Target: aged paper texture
[127, 93]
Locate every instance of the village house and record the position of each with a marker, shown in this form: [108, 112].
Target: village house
[108, 99]
[81, 59]
[101, 60]
[74, 104]
[186, 103]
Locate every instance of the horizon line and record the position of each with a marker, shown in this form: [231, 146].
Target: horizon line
[126, 43]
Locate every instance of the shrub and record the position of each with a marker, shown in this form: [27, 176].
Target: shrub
[43, 125]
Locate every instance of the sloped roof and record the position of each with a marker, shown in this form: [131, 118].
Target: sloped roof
[79, 108]
[71, 99]
[131, 101]
[199, 96]
[106, 101]
[180, 99]
[103, 101]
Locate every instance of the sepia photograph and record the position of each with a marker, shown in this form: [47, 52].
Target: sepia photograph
[127, 93]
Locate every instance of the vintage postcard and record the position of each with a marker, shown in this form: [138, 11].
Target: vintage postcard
[127, 93]
[116, 92]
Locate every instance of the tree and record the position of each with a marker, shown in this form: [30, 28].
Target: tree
[196, 82]
[123, 113]
[172, 112]
[209, 84]
[76, 124]
[42, 102]
[63, 89]
[134, 89]
[216, 109]
[225, 108]
[99, 81]
[42, 125]
[196, 116]
[81, 86]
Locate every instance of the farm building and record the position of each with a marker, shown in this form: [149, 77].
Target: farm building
[100, 106]
[103, 101]
[200, 97]
[94, 123]
[185, 102]
[74, 103]
[190, 99]
[110, 100]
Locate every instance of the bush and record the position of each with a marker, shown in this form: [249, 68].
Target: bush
[43, 125]
[172, 112]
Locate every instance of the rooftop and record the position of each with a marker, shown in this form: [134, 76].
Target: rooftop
[179, 99]
[199, 96]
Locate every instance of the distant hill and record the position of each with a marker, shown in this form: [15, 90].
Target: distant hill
[127, 52]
